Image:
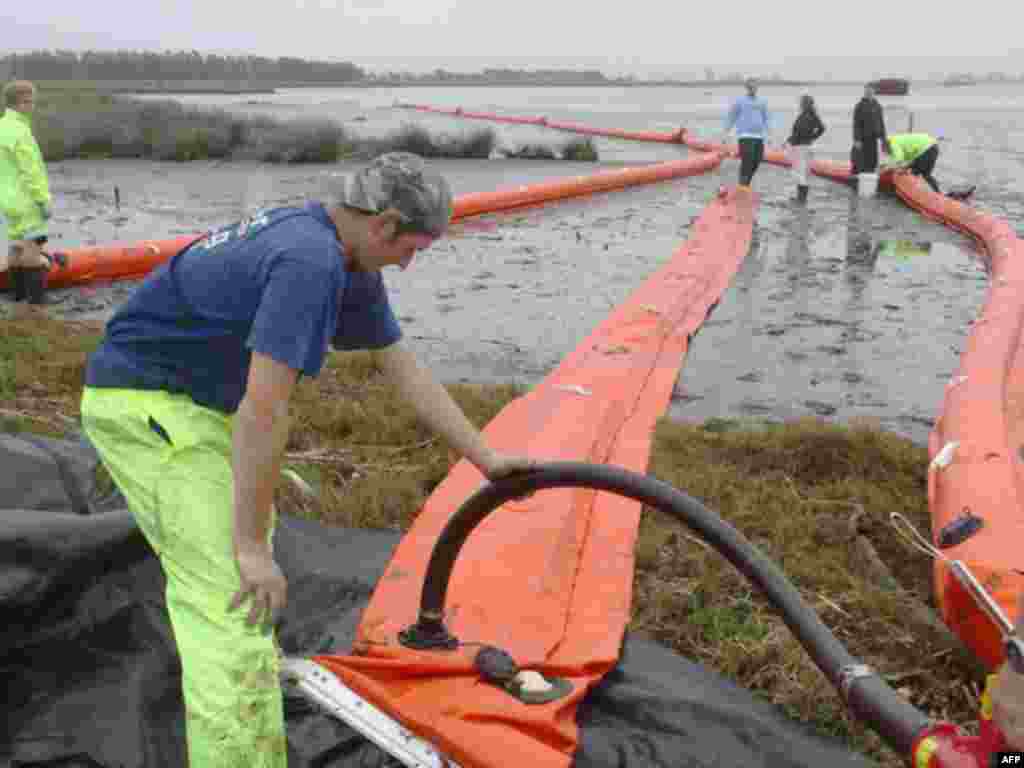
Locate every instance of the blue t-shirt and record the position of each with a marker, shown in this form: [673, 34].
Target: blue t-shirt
[275, 283]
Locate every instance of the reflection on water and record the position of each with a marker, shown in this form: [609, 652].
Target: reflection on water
[859, 247]
[902, 249]
[864, 318]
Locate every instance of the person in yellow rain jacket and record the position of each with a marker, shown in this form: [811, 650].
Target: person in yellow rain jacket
[918, 153]
[24, 193]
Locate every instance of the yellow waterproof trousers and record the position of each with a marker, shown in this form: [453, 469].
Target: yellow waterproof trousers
[172, 461]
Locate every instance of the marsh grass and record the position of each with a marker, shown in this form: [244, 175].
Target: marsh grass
[82, 123]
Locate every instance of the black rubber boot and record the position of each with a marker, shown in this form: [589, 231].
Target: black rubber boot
[801, 193]
[16, 276]
[35, 284]
[961, 194]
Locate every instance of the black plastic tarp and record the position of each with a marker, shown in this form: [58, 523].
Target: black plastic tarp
[91, 678]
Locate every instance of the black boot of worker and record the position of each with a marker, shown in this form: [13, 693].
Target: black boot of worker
[35, 284]
[16, 277]
[801, 193]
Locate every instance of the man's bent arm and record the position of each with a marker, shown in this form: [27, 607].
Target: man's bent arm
[260, 436]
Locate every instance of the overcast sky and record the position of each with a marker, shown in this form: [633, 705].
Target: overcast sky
[643, 37]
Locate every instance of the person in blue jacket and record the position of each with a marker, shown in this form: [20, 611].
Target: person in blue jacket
[750, 117]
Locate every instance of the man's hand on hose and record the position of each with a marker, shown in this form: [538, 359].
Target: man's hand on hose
[499, 465]
[263, 583]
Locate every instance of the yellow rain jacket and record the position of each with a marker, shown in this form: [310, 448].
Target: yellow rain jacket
[907, 147]
[24, 188]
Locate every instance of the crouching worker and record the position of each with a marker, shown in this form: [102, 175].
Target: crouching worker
[918, 153]
[186, 401]
[24, 194]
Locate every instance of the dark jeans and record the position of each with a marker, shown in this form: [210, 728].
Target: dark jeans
[925, 164]
[751, 153]
[865, 159]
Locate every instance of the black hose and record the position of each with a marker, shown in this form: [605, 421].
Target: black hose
[869, 697]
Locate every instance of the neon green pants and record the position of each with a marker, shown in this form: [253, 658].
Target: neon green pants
[172, 461]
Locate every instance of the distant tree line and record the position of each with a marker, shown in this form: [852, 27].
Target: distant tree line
[505, 75]
[586, 75]
[170, 65]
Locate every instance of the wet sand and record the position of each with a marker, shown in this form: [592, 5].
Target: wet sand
[846, 308]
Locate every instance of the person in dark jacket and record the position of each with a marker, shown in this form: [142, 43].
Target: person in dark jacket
[807, 128]
[868, 131]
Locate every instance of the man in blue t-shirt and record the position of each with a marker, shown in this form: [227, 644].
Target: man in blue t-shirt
[186, 400]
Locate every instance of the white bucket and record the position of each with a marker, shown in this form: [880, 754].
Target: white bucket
[867, 184]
